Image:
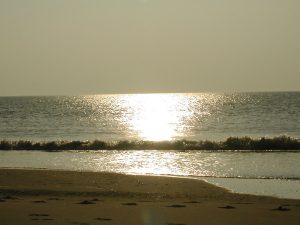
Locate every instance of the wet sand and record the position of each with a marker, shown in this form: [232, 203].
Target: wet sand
[31, 197]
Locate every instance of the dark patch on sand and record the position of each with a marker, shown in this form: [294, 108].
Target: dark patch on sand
[129, 203]
[36, 214]
[227, 207]
[103, 219]
[55, 199]
[9, 198]
[281, 208]
[86, 202]
[176, 206]
[39, 201]
[192, 202]
[96, 200]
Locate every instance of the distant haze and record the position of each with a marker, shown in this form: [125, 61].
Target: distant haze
[135, 46]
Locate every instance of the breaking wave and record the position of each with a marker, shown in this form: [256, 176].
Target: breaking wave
[280, 143]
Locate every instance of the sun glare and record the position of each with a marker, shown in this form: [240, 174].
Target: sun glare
[155, 117]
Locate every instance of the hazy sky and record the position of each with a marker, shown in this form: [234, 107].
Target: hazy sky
[133, 46]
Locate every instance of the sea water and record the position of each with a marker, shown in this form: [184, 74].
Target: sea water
[156, 117]
[273, 173]
[199, 116]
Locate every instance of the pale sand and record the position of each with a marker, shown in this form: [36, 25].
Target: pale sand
[29, 197]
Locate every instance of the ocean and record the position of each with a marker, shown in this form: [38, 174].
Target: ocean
[199, 116]
[161, 117]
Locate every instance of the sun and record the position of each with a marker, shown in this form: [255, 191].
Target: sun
[154, 116]
[155, 122]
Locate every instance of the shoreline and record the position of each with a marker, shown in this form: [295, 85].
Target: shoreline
[277, 188]
[70, 197]
[48, 181]
[43, 179]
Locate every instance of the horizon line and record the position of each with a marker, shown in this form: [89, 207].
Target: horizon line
[149, 93]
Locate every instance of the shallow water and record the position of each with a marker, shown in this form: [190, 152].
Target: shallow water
[252, 173]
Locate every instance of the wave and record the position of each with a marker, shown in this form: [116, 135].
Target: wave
[280, 143]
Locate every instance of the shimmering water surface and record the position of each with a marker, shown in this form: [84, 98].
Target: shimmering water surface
[212, 116]
[276, 174]
[155, 117]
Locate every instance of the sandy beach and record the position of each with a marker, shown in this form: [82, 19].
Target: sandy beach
[30, 197]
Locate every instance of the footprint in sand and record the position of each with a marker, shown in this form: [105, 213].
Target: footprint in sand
[86, 202]
[45, 219]
[129, 203]
[36, 214]
[55, 199]
[192, 202]
[103, 219]
[9, 198]
[227, 207]
[281, 208]
[39, 201]
[176, 206]
[96, 200]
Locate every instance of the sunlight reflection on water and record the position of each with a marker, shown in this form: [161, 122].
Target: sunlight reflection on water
[158, 117]
[255, 168]
[194, 116]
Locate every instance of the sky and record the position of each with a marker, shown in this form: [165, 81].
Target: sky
[70, 47]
